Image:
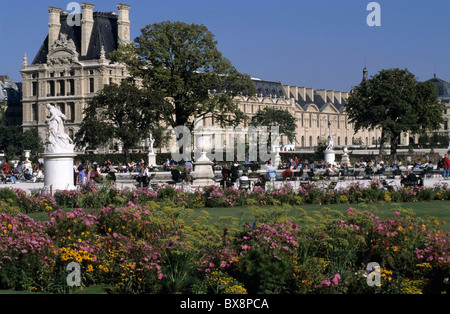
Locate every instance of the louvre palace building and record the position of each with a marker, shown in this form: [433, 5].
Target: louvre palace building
[72, 66]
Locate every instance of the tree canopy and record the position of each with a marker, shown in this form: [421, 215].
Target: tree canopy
[182, 62]
[124, 112]
[394, 101]
[269, 116]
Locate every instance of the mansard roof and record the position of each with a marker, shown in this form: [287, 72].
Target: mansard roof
[104, 33]
[442, 86]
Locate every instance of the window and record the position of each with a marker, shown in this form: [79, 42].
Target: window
[34, 91]
[51, 88]
[62, 88]
[34, 112]
[310, 142]
[91, 85]
[71, 87]
[70, 112]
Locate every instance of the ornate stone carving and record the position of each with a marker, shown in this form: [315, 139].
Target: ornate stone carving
[62, 51]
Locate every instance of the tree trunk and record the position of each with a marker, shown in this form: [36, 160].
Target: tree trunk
[382, 143]
[394, 144]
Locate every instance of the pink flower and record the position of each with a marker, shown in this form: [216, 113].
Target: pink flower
[325, 283]
[336, 278]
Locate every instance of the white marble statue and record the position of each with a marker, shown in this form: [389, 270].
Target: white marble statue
[59, 141]
[330, 143]
[151, 143]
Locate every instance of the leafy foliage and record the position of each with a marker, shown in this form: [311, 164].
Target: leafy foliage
[276, 117]
[125, 112]
[394, 101]
[182, 62]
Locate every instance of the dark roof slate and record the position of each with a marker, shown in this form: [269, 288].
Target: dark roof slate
[104, 33]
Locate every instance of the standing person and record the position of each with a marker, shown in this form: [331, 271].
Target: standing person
[82, 177]
[446, 167]
[235, 172]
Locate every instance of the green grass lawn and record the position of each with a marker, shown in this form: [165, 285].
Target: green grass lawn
[437, 209]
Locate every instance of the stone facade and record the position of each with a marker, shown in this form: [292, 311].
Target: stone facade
[319, 114]
[10, 99]
[72, 65]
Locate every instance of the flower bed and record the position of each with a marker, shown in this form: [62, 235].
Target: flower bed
[142, 241]
[159, 249]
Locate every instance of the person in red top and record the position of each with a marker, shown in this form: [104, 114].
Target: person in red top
[287, 174]
[446, 166]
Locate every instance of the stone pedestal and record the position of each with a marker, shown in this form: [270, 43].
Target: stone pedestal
[330, 156]
[152, 159]
[58, 172]
[203, 174]
[345, 158]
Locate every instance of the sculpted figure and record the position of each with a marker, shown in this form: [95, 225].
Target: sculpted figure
[58, 138]
[330, 143]
[151, 143]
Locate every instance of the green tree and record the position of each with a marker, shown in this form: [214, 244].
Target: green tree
[10, 136]
[183, 63]
[269, 117]
[124, 112]
[32, 141]
[394, 101]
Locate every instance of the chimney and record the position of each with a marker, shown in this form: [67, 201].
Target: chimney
[123, 23]
[54, 25]
[87, 23]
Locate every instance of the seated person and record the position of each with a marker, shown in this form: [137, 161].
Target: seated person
[244, 182]
[176, 175]
[27, 174]
[121, 168]
[288, 174]
[271, 174]
[226, 181]
[409, 178]
[330, 170]
[382, 169]
[188, 168]
[261, 182]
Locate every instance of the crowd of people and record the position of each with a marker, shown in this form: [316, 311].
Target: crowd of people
[12, 173]
[85, 172]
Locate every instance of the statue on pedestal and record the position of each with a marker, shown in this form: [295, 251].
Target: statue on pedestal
[151, 143]
[59, 141]
[330, 143]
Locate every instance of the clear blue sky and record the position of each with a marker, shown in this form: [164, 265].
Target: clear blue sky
[315, 43]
